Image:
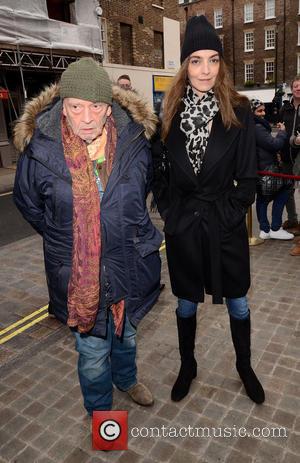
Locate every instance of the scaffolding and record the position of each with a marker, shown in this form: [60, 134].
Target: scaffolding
[29, 26]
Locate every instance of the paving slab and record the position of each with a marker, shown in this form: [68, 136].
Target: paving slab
[42, 418]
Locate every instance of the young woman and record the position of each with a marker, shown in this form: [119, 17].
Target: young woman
[267, 148]
[204, 181]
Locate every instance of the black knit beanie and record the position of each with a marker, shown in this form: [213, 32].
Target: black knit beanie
[200, 35]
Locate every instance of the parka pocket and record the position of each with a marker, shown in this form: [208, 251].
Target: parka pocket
[148, 268]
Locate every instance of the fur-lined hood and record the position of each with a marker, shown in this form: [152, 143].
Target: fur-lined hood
[124, 102]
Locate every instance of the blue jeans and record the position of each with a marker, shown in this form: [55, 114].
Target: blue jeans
[104, 362]
[237, 308]
[279, 202]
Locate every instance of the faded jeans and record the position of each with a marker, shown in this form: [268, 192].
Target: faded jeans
[104, 362]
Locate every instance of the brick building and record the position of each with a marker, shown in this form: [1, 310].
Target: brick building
[134, 30]
[261, 37]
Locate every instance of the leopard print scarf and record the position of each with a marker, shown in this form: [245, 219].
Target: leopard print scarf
[197, 113]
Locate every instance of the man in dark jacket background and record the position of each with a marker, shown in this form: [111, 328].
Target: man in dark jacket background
[290, 115]
[82, 182]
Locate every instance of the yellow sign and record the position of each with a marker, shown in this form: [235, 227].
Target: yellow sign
[161, 83]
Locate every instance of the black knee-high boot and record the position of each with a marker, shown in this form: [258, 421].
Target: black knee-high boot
[188, 370]
[240, 332]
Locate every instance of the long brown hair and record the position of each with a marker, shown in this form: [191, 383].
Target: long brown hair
[224, 90]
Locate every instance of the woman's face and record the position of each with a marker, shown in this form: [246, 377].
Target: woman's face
[260, 111]
[203, 69]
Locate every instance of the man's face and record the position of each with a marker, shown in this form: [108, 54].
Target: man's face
[296, 89]
[125, 84]
[85, 118]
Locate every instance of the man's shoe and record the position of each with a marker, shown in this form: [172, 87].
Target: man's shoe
[141, 395]
[263, 235]
[295, 251]
[281, 234]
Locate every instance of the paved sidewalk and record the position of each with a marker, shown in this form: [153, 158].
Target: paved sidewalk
[7, 178]
[41, 415]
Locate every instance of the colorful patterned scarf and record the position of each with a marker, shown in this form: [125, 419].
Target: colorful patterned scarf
[84, 284]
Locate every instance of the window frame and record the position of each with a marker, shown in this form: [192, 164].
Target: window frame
[270, 29]
[248, 50]
[269, 61]
[250, 63]
[217, 16]
[267, 8]
[249, 4]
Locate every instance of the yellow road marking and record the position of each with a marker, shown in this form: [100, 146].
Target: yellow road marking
[20, 322]
[23, 328]
[163, 246]
[6, 194]
[33, 314]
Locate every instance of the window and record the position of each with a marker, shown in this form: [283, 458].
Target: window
[218, 15]
[270, 35]
[249, 72]
[249, 40]
[126, 43]
[60, 10]
[270, 9]
[269, 70]
[103, 32]
[248, 12]
[158, 49]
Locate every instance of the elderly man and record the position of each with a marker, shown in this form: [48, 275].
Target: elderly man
[82, 182]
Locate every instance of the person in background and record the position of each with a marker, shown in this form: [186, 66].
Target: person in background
[124, 82]
[267, 148]
[82, 181]
[290, 115]
[205, 173]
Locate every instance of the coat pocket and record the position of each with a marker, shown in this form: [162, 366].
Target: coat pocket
[148, 264]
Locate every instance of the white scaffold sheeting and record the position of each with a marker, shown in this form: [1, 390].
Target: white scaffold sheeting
[26, 22]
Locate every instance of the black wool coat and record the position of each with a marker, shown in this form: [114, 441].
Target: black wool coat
[205, 229]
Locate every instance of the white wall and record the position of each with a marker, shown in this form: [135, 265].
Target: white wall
[141, 77]
[171, 44]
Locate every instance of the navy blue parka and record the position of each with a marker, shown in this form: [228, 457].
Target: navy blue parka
[130, 262]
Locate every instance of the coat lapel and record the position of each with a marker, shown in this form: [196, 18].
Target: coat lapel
[220, 140]
[175, 144]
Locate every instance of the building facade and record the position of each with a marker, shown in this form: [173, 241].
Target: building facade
[261, 38]
[37, 42]
[135, 31]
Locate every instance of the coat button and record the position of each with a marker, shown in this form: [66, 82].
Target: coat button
[196, 213]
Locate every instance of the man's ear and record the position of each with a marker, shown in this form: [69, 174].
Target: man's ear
[64, 109]
[108, 112]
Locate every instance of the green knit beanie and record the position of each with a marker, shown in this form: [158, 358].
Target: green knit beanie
[86, 79]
